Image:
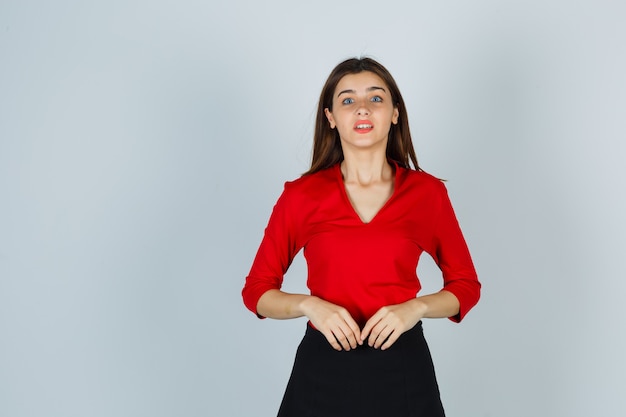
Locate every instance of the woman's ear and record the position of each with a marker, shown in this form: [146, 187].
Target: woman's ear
[396, 115]
[330, 118]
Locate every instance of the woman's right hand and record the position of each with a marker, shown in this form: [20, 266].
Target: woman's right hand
[335, 323]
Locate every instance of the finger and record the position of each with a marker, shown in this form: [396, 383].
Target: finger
[375, 335]
[383, 336]
[330, 337]
[342, 337]
[369, 326]
[366, 331]
[390, 340]
[352, 331]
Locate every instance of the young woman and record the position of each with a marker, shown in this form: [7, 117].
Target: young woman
[363, 217]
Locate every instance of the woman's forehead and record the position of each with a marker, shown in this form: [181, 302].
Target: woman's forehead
[361, 80]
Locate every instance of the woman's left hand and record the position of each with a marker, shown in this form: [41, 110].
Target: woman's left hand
[386, 326]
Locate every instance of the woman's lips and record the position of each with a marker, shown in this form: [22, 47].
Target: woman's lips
[363, 126]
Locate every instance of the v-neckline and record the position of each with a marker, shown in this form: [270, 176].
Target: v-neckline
[346, 197]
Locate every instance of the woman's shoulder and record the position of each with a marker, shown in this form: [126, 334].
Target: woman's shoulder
[312, 182]
[309, 185]
[422, 179]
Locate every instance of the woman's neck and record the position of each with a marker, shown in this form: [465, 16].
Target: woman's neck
[366, 169]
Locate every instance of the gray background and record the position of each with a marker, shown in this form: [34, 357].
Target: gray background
[144, 143]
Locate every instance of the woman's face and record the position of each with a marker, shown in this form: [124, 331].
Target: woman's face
[363, 111]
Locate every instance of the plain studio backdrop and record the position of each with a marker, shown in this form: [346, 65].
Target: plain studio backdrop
[144, 143]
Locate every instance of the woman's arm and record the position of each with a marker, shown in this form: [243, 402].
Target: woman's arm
[391, 321]
[277, 304]
[335, 322]
[439, 305]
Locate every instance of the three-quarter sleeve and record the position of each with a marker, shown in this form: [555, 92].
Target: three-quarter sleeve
[451, 254]
[275, 254]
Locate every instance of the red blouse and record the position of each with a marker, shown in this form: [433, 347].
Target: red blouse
[363, 266]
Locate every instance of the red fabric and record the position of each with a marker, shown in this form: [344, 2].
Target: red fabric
[363, 266]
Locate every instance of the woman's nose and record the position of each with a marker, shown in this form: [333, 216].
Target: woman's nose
[362, 109]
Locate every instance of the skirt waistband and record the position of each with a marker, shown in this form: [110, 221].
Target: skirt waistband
[416, 331]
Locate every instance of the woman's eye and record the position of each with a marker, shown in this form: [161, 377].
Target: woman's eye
[347, 101]
[376, 99]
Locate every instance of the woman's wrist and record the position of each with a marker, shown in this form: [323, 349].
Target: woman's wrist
[305, 304]
[419, 306]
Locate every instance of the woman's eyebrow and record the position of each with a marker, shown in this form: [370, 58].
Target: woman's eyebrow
[373, 88]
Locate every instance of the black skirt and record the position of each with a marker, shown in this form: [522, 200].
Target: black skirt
[362, 382]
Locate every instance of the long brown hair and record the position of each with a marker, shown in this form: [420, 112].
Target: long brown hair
[326, 144]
